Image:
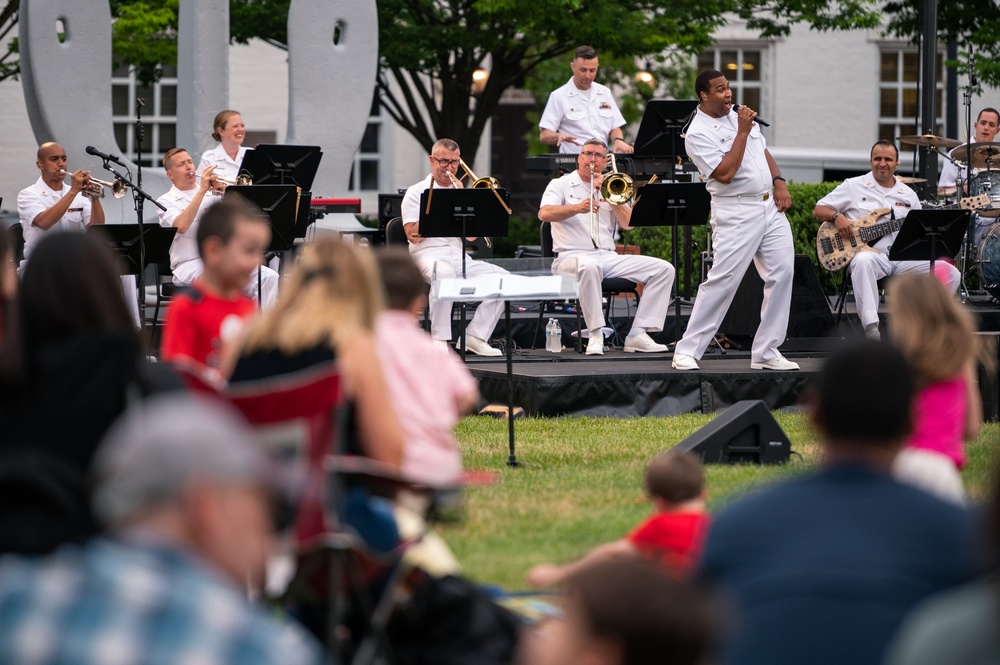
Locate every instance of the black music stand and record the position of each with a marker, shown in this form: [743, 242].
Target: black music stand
[124, 241]
[676, 204]
[303, 218]
[460, 213]
[281, 205]
[272, 164]
[661, 127]
[927, 235]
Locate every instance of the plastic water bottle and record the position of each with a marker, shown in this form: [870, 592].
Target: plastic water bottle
[557, 336]
[550, 335]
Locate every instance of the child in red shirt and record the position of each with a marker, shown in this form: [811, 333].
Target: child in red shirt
[210, 314]
[672, 537]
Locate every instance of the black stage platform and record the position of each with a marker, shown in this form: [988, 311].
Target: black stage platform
[629, 385]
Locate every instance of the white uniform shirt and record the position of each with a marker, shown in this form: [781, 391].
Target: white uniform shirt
[185, 245]
[856, 197]
[225, 167]
[573, 233]
[710, 139]
[410, 209]
[33, 200]
[585, 114]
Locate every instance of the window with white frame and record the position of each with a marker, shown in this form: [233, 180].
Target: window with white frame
[743, 68]
[159, 115]
[365, 171]
[899, 101]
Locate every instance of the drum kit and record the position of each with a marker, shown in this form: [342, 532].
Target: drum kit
[982, 162]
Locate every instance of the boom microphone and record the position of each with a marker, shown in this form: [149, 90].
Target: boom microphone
[91, 150]
[736, 107]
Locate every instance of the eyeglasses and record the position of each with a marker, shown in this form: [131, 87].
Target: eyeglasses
[446, 162]
[595, 155]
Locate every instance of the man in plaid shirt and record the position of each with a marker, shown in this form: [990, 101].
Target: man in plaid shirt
[181, 486]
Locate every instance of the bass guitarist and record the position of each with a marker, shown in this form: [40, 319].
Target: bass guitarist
[857, 197]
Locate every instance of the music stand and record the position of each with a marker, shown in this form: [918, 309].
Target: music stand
[272, 164]
[280, 203]
[303, 217]
[459, 213]
[929, 235]
[661, 125]
[676, 204]
[124, 242]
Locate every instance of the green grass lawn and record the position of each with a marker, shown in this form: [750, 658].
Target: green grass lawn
[582, 484]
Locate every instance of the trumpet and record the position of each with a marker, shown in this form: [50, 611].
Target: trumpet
[95, 188]
[243, 179]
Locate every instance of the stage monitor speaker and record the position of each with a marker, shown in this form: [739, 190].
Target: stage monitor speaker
[389, 206]
[810, 314]
[745, 433]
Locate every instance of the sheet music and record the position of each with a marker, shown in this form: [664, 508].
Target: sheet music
[506, 286]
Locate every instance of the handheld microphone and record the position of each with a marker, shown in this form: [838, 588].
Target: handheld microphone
[91, 150]
[762, 123]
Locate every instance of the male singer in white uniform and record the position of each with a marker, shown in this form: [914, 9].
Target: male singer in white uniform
[185, 203]
[567, 205]
[582, 109]
[856, 197]
[49, 206]
[749, 198]
[441, 258]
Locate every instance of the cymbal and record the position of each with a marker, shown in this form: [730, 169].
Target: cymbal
[929, 140]
[907, 180]
[984, 155]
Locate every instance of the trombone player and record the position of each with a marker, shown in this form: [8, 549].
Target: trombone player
[583, 228]
[52, 205]
[440, 258]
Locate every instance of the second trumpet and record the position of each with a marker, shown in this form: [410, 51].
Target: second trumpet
[242, 180]
[94, 187]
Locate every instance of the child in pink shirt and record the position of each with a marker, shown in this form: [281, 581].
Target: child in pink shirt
[938, 337]
[429, 386]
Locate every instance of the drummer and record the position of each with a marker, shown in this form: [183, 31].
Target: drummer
[986, 127]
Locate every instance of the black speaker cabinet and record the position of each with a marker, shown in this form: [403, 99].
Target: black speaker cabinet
[745, 433]
[810, 314]
[389, 206]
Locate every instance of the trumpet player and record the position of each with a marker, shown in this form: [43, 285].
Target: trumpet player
[186, 202]
[53, 205]
[442, 257]
[583, 227]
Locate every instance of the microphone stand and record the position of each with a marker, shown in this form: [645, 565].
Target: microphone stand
[969, 247]
[138, 199]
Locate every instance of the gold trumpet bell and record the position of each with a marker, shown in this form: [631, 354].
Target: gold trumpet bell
[618, 188]
[119, 189]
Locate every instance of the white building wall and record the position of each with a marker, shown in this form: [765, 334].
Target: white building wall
[17, 145]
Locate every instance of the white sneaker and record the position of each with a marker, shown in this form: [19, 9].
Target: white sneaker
[595, 345]
[778, 363]
[684, 363]
[643, 344]
[480, 347]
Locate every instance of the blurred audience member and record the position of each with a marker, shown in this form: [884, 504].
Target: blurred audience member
[430, 390]
[182, 488]
[671, 537]
[70, 364]
[8, 282]
[625, 612]
[429, 386]
[938, 337]
[957, 627]
[205, 318]
[824, 568]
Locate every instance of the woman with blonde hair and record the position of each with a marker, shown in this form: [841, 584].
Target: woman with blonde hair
[938, 337]
[326, 315]
[229, 130]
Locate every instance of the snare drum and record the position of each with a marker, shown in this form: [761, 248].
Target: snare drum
[986, 182]
[989, 261]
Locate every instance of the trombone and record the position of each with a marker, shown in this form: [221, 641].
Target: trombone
[617, 188]
[489, 182]
[95, 188]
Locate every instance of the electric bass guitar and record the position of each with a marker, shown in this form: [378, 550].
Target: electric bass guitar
[835, 251]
